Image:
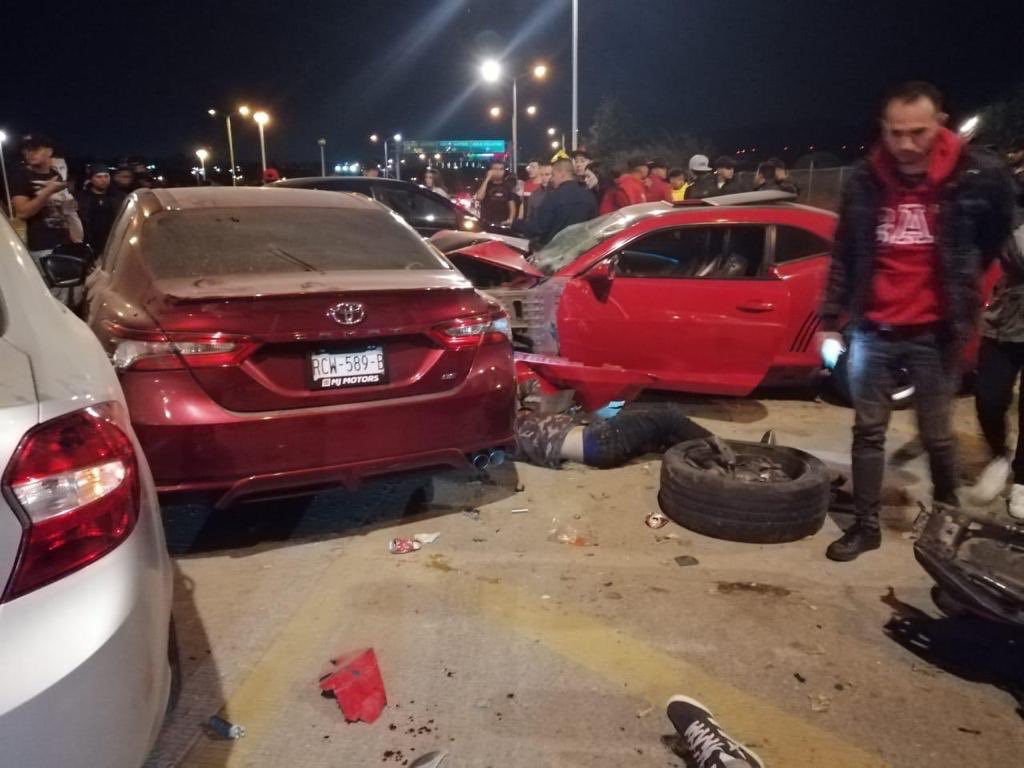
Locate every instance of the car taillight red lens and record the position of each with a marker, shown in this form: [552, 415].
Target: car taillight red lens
[473, 331]
[76, 479]
[158, 351]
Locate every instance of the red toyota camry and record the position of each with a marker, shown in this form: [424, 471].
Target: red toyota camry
[269, 340]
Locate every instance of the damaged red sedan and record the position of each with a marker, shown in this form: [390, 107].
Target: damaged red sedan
[278, 340]
[719, 297]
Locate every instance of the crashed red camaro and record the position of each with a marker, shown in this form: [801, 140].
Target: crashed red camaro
[720, 297]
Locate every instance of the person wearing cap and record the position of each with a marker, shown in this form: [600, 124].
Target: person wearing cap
[40, 197]
[98, 205]
[722, 182]
[629, 188]
[270, 175]
[700, 168]
[657, 185]
[124, 179]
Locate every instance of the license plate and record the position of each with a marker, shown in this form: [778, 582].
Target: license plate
[362, 367]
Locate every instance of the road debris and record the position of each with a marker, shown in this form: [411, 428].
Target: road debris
[357, 686]
[684, 561]
[820, 703]
[225, 729]
[430, 760]
[403, 546]
[520, 511]
[799, 678]
[426, 538]
[703, 741]
[567, 533]
[472, 513]
[655, 520]
[732, 587]
[642, 713]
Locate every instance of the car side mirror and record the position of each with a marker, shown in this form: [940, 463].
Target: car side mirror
[67, 265]
[602, 273]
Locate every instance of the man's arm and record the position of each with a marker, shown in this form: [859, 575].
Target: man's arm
[482, 192]
[511, 211]
[26, 207]
[837, 286]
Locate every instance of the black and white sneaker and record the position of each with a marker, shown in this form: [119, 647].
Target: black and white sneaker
[704, 739]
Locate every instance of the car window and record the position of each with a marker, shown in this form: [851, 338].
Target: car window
[717, 252]
[792, 243]
[419, 208]
[261, 240]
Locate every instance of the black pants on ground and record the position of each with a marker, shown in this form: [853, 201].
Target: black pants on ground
[875, 357]
[999, 366]
[638, 429]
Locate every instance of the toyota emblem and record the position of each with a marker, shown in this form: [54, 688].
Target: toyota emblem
[347, 313]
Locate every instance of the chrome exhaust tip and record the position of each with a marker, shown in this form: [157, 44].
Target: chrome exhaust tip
[496, 457]
[480, 460]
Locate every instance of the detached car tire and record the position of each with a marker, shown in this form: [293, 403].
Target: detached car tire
[725, 507]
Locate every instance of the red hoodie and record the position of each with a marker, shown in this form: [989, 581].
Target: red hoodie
[658, 189]
[906, 288]
[627, 190]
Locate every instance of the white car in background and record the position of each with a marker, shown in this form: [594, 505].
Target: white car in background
[85, 580]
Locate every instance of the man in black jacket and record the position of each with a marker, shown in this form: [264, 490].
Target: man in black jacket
[98, 205]
[919, 221]
[564, 204]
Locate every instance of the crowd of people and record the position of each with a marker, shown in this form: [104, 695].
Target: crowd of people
[536, 208]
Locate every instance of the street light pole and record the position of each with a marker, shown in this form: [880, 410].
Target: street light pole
[231, 150]
[261, 118]
[323, 162]
[202, 154]
[3, 170]
[398, 156]
[575, 72]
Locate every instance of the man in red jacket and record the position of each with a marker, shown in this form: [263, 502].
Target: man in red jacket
[918, 222]
[658, 188]
[629, 188]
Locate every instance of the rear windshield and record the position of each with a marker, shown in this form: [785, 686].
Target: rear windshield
[243, 241]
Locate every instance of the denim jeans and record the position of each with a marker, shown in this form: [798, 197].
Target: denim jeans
[999, 366]
[875, 357]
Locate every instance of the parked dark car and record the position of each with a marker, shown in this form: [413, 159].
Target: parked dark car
[426, 211]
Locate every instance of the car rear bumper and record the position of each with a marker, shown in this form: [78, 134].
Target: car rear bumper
[84, 660]
[193, 444]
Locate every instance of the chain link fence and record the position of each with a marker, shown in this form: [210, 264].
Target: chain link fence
[820, 187]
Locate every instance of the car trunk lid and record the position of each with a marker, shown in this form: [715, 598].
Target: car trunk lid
[305, 340]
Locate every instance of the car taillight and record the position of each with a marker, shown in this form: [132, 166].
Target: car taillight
[76, 479]
[158, 351]
[473, 331]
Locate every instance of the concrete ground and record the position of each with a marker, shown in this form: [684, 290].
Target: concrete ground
[507, 649]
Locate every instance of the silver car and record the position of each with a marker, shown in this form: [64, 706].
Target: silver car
[85, 580]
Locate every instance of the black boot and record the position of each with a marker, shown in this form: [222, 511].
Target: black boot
[854, 543]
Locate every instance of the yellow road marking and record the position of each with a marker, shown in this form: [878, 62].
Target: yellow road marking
[783, 740]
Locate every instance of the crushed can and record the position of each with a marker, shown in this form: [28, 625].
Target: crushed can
[403, 546]
[656, 520]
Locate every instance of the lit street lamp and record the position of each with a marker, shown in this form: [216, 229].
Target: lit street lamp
[552, 131]
[262, 118]
[555, 144]
[490, 72]
[323, 164]
[202, 154]
[374, 138]
[3, 170]
[531, 110]
[398, 154]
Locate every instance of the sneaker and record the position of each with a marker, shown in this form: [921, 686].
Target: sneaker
[1016, 507]
[991, 482]
[853, 544]
[704, 739]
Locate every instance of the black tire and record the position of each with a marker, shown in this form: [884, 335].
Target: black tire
[724, 507]
[902, 398]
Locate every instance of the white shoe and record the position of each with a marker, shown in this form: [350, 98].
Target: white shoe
[1016, 507]
[992, 481]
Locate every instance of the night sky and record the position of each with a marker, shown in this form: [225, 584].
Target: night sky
[111, 77]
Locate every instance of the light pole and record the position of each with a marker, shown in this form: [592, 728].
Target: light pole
[262, 118]
[323, 163]
[202, 154]
[490, 71]
[3, 170]
[398, 156]
[231, 142]
[575, 71]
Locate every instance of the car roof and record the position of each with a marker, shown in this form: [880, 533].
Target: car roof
[741, 201]
[298, 182]
[183, 198]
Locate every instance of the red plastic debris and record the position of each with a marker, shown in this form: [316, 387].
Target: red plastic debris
[357, 686]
